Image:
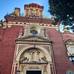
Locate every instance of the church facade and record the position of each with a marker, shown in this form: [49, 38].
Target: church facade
[31, 44]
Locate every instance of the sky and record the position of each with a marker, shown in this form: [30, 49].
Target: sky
[8, 6]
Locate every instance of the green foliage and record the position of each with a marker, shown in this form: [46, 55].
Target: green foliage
[54, 22]
[63, 10]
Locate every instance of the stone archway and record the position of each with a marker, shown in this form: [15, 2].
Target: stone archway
[48, 54]
[34, 59]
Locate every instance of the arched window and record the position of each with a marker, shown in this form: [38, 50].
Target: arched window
[70, 72]
[70, 50]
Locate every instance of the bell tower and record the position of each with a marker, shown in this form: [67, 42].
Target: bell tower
[33, 10]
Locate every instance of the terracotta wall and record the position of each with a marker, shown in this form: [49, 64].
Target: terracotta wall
[62, 63]
[7, 47]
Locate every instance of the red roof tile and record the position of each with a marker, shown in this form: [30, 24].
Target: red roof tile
[27, 19]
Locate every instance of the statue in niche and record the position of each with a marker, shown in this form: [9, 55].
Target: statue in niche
[33, 56]
[38, 56]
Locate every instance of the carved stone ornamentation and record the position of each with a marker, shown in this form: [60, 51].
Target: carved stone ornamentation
[33, 56]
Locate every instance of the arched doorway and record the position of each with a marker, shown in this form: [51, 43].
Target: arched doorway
[33, 61]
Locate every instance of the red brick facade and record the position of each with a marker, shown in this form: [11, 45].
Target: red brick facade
[7, 48]
[61, 60]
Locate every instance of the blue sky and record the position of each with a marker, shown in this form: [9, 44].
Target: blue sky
[7, 6]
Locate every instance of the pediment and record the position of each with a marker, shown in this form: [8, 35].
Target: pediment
[31, 39]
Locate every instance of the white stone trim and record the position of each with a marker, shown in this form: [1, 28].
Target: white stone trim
[48, 56]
